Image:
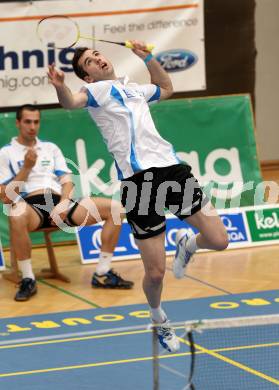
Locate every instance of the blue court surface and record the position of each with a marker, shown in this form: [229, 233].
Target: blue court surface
[111, 348]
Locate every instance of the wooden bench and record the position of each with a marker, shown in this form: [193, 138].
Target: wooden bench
[52, 272]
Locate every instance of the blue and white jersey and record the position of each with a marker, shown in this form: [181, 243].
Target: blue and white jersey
[120, 110]
[50, 165]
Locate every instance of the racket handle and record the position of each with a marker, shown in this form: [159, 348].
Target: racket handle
[149, 46]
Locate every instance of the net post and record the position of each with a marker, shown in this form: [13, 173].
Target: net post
[155, 360]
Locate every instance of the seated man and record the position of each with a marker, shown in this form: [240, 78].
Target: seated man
[38, 172]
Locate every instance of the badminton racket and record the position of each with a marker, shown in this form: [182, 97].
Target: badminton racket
[62, 32]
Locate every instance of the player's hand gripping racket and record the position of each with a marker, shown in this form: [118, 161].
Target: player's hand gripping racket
[63, 32]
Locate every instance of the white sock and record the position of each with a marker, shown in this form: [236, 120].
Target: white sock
[26, 268]
[158, 315]
[104, 263]
[191, 244]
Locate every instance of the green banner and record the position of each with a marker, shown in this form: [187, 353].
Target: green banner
[263, 224]
[214, 135]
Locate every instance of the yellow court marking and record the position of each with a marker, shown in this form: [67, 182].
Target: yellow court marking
[201, 350]
[67, 340]
[100, 364]
[242, 347]
[234, 363]
[100, 336]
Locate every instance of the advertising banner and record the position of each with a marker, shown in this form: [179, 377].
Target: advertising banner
[213, 135]
[264, 224]
[89, 240]
[246, 227]
[235, 225]
[174, 27]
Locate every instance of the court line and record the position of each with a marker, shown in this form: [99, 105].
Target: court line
[67, 340]
[234, 363]
[100, 364]
[205, 283]
[208, 284]
[202, 350]
[243, 347]
[43, 281]
[79, 336]
[105, 13]
[173, 371]
[55, 339]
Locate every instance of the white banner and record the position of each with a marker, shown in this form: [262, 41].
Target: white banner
[175, 27]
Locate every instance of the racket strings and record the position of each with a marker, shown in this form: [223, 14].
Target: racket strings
[59, 32]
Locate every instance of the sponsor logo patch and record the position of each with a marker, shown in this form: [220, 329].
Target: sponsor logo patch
[177, 60]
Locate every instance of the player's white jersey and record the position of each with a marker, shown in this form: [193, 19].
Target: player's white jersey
[120, 110]
[50, 165]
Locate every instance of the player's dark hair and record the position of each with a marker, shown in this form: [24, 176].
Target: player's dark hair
[28, 107]
[77, 68]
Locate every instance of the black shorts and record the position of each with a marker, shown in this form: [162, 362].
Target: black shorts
[147, 194]
[43, 204]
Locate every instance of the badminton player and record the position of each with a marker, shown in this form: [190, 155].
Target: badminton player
[152, 176]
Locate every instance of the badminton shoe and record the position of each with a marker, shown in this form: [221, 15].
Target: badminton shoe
[167, 337]
[182, 255]
[111, 280]
[27, 288]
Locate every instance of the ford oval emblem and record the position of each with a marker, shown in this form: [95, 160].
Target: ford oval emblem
[177, 60]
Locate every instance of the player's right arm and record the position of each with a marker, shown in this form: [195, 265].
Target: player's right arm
[11, 186]
[158, 74]
[66, 98]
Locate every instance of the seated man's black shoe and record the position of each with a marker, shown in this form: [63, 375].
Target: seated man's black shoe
[110, 280]
[27, 288]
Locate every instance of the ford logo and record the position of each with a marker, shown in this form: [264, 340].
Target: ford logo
[177, 60]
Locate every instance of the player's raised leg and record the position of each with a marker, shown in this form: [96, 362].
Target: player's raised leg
[212, 235]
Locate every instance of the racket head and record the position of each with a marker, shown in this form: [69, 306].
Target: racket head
[59, 31]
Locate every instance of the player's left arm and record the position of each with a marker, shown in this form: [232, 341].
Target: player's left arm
[64, 176]
[157, 73]
[60, 211]
[67, 187]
